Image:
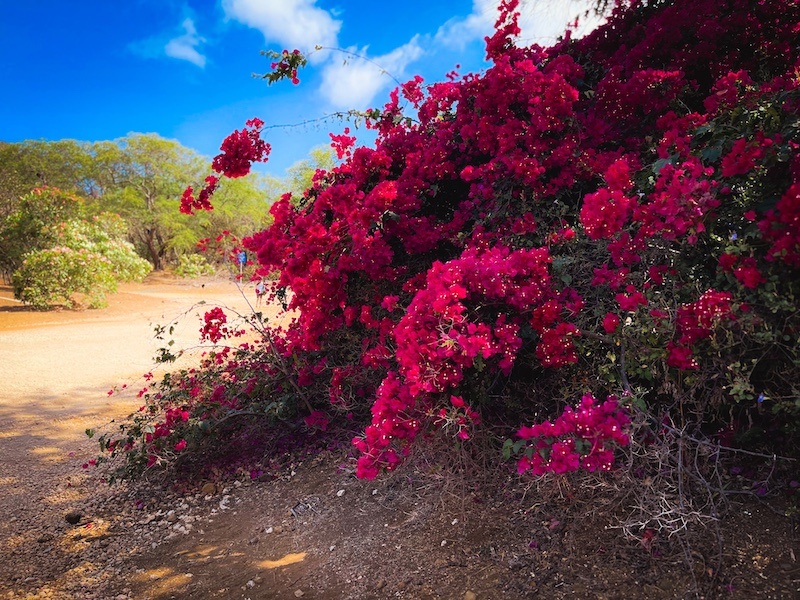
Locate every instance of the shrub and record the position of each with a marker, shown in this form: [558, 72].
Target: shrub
[610, 217]
[89, 258]
[30, 226]
[104, 234]
[193, 266]
[54, 276]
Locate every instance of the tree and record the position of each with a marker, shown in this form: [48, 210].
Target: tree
[65, 164]
[141, 177]
[300, 176]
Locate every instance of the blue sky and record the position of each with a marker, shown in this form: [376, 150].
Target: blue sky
[100, 69]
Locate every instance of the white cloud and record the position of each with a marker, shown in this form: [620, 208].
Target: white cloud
[354, 82]
[541, 21]
[294, 23]
[349, 83]
[184, 47]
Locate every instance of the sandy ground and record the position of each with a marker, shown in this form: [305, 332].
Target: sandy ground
[56, 370]
[57, 367]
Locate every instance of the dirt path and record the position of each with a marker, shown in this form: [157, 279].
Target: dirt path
[56, 369]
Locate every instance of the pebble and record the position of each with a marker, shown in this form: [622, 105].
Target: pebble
[470, 596]
[73, 517]
[299, 593]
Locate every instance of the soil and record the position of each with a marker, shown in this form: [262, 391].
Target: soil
[310, 529]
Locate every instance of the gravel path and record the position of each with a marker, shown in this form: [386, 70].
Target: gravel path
[56, 369]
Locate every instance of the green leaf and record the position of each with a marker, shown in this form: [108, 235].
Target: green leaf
[660, 164]
[711, 155]
[507, 449]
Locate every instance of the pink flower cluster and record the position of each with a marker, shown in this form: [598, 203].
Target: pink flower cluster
[438, 337]
[287, 66]
[696, 321]
[214, 325]
[580, 438]
[239, 151]
[781, 227]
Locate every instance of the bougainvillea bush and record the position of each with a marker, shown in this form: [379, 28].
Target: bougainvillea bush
[605, 226]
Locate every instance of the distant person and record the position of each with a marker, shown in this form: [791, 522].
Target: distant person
[261, 289]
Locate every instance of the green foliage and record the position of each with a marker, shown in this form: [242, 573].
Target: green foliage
[193, 266]
[55, 275]
[141, 178]
[64, 164]
[53, 254]
[31, 225]
[104, 235]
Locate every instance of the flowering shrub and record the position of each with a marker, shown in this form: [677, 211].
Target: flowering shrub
[193, 266]
[615, 215]
[576, 439]
[55, 275]
[81, 256]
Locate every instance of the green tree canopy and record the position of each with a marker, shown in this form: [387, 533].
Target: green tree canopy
[65, 164]
[32, 223]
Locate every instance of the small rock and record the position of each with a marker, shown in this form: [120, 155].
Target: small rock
[380, 584]
[515, 564]
[45, 537]
[73, 517]
[299, 593]
[340, 493]
[209, 489]
[470, 596]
